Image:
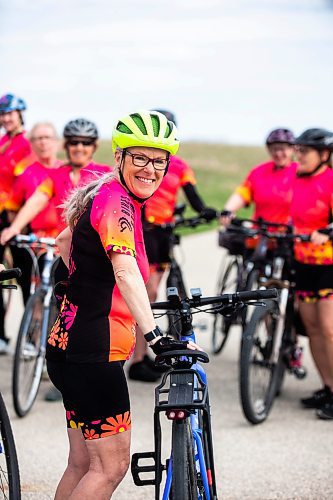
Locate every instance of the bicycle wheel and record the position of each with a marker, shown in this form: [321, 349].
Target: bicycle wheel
[175, 279]
[184, 476]
[252, 283]
[221, 325]
[259, 375]
[7, 261]
[9, 470]
[29, 354]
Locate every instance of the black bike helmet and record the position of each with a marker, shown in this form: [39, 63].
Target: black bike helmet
[81, 128]
[168, 114]
[317, 138]
[280, 135]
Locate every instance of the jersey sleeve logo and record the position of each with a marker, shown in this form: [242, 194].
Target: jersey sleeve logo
[126, 221]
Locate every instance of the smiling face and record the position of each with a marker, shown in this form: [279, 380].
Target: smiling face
[80, 150]
[281, 153]
[11, 121]
[141, 181]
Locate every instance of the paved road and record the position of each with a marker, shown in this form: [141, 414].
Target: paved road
[289, 456]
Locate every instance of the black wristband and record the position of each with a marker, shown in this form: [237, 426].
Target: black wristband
[153, 334]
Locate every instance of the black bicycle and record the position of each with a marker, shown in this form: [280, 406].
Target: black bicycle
[269, 339]
[245, 268]
[9, 469]
[183, 397]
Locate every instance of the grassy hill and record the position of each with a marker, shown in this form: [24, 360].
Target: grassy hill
[218, 168]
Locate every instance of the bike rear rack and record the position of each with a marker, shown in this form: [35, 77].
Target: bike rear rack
[180, 389]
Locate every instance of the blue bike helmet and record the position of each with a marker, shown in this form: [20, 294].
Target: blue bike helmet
[10, 102]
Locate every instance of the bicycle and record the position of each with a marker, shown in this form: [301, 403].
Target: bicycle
[244, 270]
[39, 315]
[183, 396]
[269, 340]
[175, 277]
[9, 469]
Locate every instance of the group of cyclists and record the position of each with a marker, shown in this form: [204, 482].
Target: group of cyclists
[109, 226]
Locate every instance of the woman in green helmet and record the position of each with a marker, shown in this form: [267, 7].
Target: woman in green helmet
[106, 297]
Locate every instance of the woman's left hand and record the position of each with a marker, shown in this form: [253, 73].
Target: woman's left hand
[2, 268]
[319, 238]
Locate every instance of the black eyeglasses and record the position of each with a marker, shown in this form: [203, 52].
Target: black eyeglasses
[140, 160]
[76, 142]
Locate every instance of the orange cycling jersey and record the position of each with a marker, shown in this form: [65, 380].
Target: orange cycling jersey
[271, 190]
[312, 209]
[160, 207]
[15, 156]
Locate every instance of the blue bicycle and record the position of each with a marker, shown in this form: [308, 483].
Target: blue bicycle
[183, 397]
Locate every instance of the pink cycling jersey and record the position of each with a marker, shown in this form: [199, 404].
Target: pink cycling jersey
[270, 189]
[15, 155]
[311, 209]
[24, 186]
[59, 185]
[160, 207]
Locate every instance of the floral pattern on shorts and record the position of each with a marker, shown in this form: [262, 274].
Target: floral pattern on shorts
[101, 428]
[58, 336]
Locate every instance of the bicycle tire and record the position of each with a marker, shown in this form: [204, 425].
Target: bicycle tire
[184, 476]
[29, 355]
[175, 279]
[221, 325]
[9, 469]
[252, 283]
[7, 261]
[256, 363]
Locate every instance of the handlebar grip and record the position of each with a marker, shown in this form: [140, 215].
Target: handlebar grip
[10, 273]
[270, 293]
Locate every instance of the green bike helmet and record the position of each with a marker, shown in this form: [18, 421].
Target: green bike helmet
[145, 128]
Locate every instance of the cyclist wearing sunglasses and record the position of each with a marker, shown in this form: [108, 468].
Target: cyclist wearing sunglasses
[80, 137]
[106, 296]
[15, 156]
[157, 211]
[312, 209]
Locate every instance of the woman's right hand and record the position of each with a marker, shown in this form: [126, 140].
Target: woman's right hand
[7, 234]
[226, 217]
[2, 268]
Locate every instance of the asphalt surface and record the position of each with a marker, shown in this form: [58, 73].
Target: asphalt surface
[289, 456]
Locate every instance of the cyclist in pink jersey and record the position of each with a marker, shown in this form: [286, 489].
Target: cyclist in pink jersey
[159, 209]
[312, 209]
[15, 155]
[81, 138]
[95, 330]
[43, 138]
[268, 186]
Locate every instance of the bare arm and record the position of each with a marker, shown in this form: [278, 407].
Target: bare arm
[234, 203]
[63, 241]
[35, 204]
[133, 290]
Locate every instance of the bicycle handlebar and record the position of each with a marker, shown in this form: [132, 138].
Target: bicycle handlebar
[185, 222]
[224, 299]
[30, 239]
[8, 274]
[250, 232]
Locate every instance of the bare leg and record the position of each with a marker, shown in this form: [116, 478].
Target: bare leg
[109, 462]
[78, 465]
[318, 321]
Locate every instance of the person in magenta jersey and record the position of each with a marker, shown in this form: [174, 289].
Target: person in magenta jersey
[268, 186]
[106, 297]
[158, 210]
[80, 137]
[45, 144]
[15, 155]
[312, 209]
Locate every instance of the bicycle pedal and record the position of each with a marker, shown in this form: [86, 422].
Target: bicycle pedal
[137, 469]
[299, 373]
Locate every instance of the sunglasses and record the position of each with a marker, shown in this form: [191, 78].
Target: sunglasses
[76, 142]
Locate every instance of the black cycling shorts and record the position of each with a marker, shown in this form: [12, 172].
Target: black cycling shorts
[157, 243]
[313, 282]
[95, 396]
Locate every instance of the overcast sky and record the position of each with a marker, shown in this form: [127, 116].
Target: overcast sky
[231, 70]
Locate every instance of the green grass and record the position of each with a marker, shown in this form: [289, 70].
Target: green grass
[218, 168]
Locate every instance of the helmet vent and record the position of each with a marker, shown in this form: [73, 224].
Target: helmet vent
[156, 124]
[124, 128]
[139, 123]
[168, 130]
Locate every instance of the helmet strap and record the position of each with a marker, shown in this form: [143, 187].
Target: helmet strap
[308, 174]
[122, 180]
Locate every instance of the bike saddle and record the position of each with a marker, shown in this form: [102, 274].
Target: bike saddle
[192, 357]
